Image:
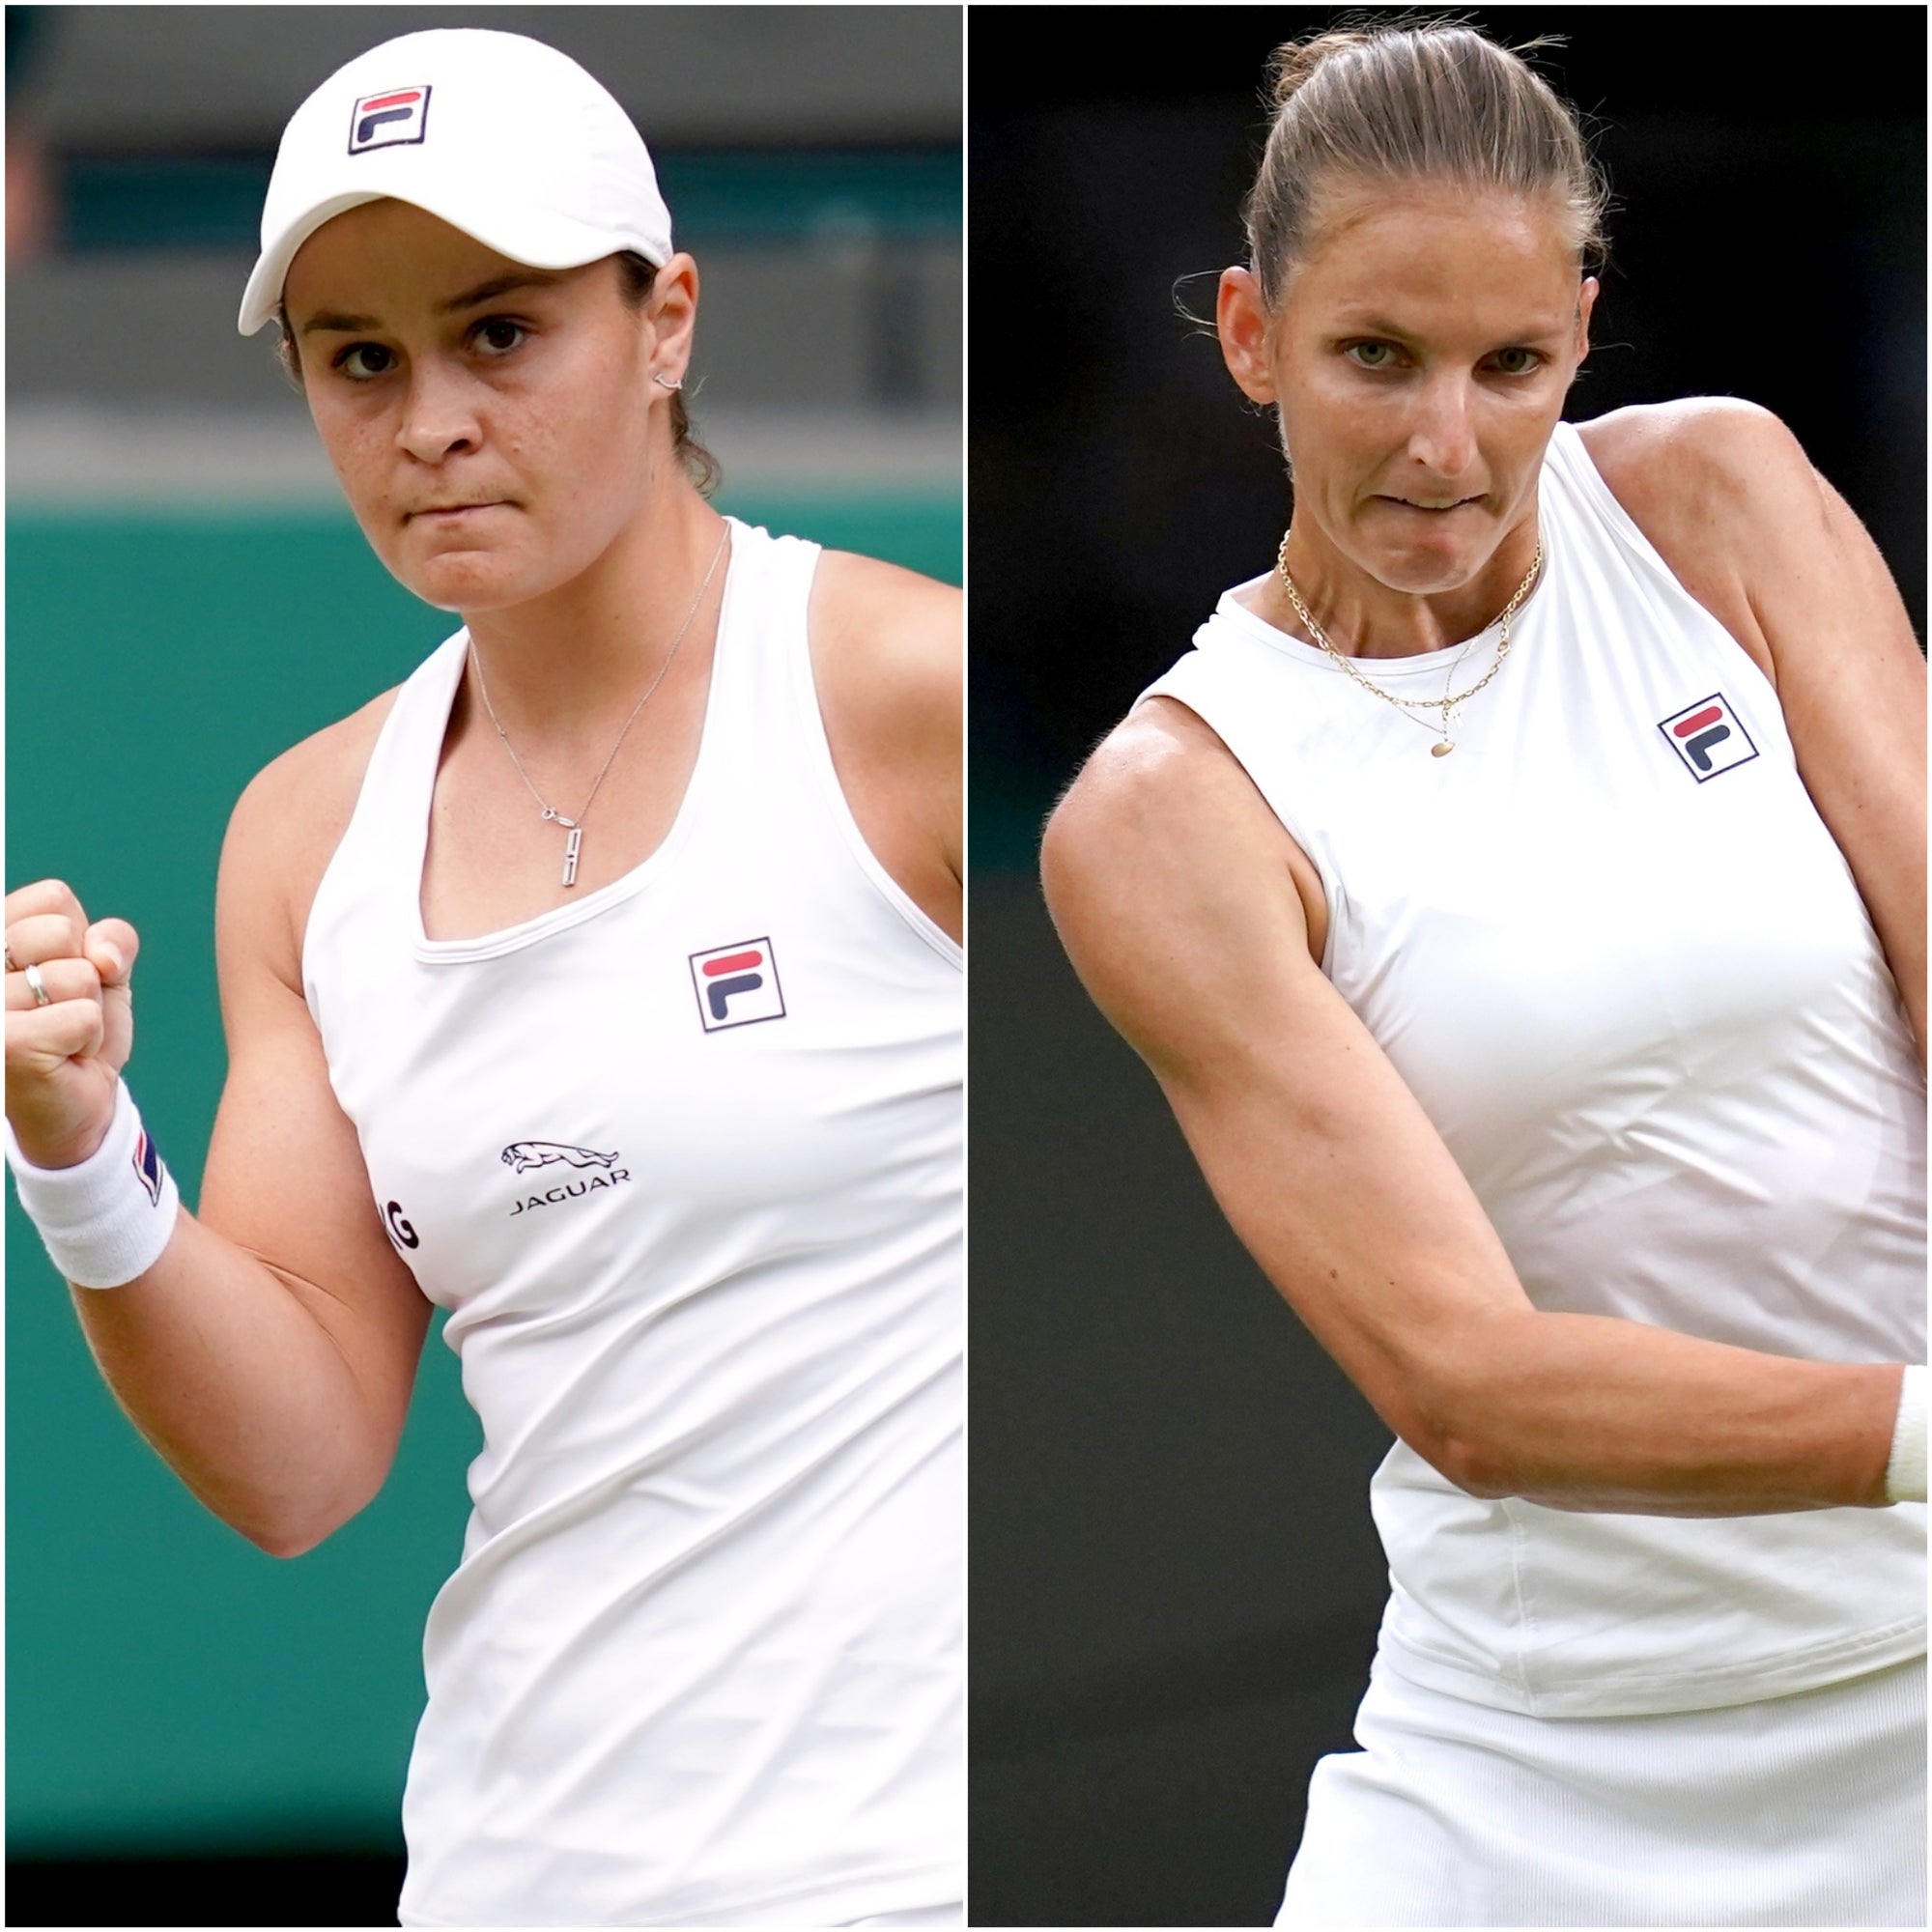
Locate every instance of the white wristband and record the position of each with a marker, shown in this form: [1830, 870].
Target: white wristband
[106, 1219]
[1905, 1472]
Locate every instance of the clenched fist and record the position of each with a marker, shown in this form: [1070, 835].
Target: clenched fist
[65, 1045]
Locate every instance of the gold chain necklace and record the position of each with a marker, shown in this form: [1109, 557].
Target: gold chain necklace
[1446, 704]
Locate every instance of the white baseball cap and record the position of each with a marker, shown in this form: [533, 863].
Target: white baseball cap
[495, 133]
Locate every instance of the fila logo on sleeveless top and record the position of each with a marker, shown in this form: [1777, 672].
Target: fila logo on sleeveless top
[1709, 736]
[738, 985]
[396, 117]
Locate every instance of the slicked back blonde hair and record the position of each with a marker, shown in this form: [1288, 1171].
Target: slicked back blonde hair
[1413, 101]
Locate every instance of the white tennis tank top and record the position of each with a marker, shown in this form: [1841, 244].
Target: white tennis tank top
[682, 1160]
[1617, 955]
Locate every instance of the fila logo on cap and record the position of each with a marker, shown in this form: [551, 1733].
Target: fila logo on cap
[738, 985]
[393, 119]
[1709, 737]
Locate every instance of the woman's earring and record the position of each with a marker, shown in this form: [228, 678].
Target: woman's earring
[663, 383]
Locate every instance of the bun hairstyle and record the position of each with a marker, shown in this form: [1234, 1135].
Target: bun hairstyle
[1413, 101]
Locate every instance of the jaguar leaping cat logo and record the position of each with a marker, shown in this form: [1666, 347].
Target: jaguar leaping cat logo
[524, 1156]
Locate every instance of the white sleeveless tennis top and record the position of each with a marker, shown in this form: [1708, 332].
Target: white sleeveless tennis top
[1617, 955]
[682, 1160]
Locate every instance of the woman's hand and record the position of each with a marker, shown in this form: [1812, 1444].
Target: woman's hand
[64, 1058]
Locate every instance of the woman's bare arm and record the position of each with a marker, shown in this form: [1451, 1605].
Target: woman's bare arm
[1169, 879]
[269, 1355]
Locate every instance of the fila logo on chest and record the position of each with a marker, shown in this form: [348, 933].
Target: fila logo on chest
[1709, 737]
[738, 985]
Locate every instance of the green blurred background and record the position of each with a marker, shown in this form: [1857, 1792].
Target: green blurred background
[186, 597]
[167, 1683]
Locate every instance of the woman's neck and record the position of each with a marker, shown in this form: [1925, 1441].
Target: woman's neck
[574, 654]
[1363, 617]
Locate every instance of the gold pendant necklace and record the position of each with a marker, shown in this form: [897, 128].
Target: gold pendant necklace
[1446, 704]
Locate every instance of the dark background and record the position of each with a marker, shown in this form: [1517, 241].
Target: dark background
[1176, 1584]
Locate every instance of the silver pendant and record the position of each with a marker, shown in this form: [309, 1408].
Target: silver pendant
[570, 853]
[1442, 750]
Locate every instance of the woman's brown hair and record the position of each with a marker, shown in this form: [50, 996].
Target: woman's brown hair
[636, 278]
[1430, 100]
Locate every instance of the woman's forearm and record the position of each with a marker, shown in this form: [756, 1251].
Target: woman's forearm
[1589, 1412]
[239, 1387]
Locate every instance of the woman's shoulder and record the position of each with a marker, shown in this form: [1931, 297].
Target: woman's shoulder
[1670, 456]
[285, 827]
[1169, 881]
[1718, 485]
[1160, 817]
[1162, 785]
[891, 621]
[305, 796]
[888, 658]
[888, 653]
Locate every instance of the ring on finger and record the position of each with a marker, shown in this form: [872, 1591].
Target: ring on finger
[38, 986]
[8, 955]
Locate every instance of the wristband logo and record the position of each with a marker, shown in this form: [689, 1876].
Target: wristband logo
[395, 119]
[1709, 737]
[738, 985]
[148, 1169]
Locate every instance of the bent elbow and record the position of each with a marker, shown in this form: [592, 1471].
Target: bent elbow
[1463, 1396]
[1458, 1456]
[1448, 1431]
[291, 1534]
[283, 1546]
[287, 1540]
[1474, 1467]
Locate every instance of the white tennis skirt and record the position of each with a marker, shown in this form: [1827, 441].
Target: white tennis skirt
[1803, 1810]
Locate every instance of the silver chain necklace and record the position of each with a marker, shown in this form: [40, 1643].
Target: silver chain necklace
[574, 845]
[1446, 704]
